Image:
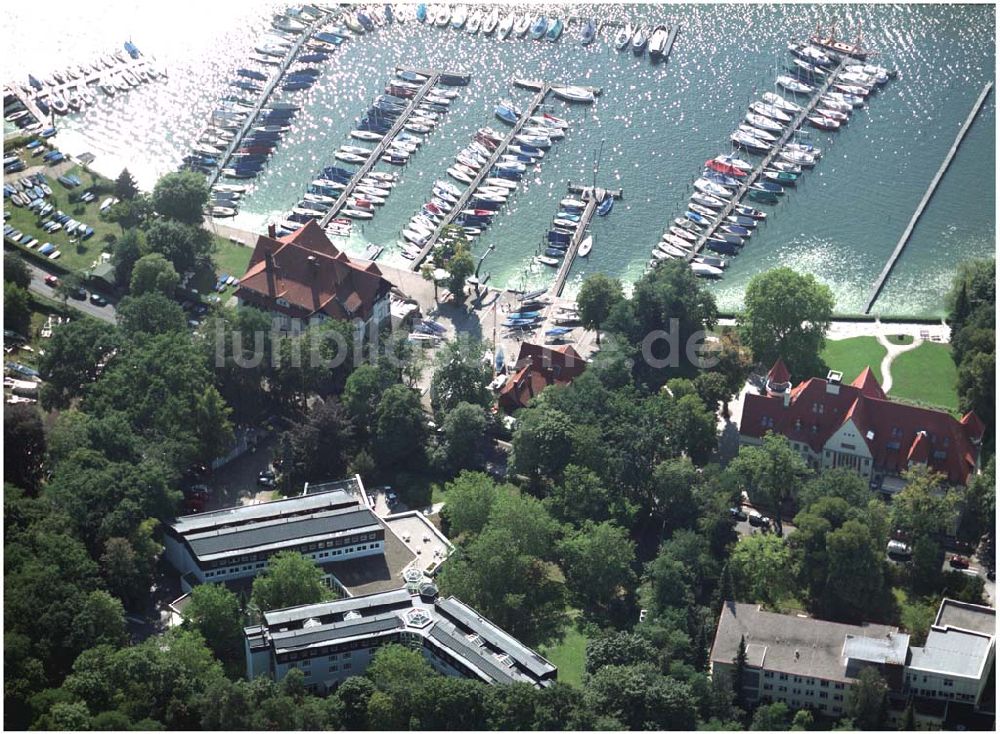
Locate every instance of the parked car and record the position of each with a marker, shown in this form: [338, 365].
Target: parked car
[959, 562]
[195, 497]
[760, 521]
[80, 293]
[51, 281]
[898, 549]
[737, 514]
[98, 300]
[266, 478]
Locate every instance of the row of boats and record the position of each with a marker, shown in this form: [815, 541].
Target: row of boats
[639, 39]
[565, 227]
[709, 220]
[487, 22]
[76, 87]
[240, 138]
[382, 118]
[491, 165]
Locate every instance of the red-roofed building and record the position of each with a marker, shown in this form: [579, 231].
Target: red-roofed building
[536, 368]
[857, 426]
[302, 279]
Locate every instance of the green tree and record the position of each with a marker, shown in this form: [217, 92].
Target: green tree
[129, 214]
[581, 495]
[24, 446]
[868, 700]
[856, 572]
[184, 245]
[460, 266]
[925, 506]
[641, 698]
[597, 296]
[125, 186]
[215, 612]
[460, 376]
[840, 482]
[470, 499]
[618, 648]
[464, 430]
[101, 621]
[597, 561]
[674, 483]
[713, 388]
[771, 473]
[353, 696]
[17, 309]
[760, 566]
[74, 358]
[15, 270]
[739, 672]
[979, 516]
[802, 721]
[909, 721]
[318, 449]
[149, 314]
[692, 428]
[786, 315]
[362, 392]
[400, 426]
[125, 253]
[542, 442]
[154, 273]
[181, 196]
[289, 580]
[770, 717]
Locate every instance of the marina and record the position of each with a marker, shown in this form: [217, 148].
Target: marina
[484, 171]
[658, 126]
[593, 197]
[262, 100]
[754, 175]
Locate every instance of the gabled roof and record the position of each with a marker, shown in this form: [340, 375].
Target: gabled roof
[310, 276]
[536, 368]
[974, 427]
[890, 429]
[779, 373]
[868, 385]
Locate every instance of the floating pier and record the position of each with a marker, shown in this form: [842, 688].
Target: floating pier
[265, 95]
[432, 78]
[530, 110]
[752, 176]
[593, 197]
[905, 238]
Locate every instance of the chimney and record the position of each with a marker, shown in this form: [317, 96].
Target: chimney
[272, 232]
[786, 397]
[833, 381]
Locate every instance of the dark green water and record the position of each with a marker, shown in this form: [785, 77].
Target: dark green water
[659, 123]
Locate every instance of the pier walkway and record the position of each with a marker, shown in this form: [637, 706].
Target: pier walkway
[450, 217]
[901, 245]
[432, 78]
[574, 244]
[776, 147]
[265, 95]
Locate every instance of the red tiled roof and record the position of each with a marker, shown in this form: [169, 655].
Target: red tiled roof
[312, 276]
[779, 373]
[974, 427]
[868, 385]
[536, 368]
[889, 429]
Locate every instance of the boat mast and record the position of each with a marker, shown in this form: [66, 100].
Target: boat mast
[597, 163]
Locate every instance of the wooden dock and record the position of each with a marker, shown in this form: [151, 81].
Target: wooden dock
[776, 147]
[905, 238]
[265, 95]
[463, 200]
[670, 42]
[376, 155]
[592, 200]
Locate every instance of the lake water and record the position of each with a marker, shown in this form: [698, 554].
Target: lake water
[658, 124]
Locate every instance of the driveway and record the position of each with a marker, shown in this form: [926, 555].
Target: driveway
[104, 313]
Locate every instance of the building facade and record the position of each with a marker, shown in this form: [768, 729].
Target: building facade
[302, 279]
[811, 663]
[857, 427]
[234, 544]
[331, 641]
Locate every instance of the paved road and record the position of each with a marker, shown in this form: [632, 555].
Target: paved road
[104, 313]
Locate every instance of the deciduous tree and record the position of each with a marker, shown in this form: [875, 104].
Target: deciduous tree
[597, 296]
[181, 196]
[289, 580]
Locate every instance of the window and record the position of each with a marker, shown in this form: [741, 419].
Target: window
[783, 676]
[782, 689]
[768, 674]
[347, 666]
[334, 667]
[948, 682]
[766, 421]
[824, 684]
[896, 431]
[824, 694]
[768, 686]
[797, 679]
[838, 697]
[839, 686]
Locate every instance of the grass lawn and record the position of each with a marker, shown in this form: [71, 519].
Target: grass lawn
[77, 255]
[926, 375]
[570, 654]
[851, 356]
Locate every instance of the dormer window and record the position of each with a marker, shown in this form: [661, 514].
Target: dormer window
[897, 431]
[281, 302]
